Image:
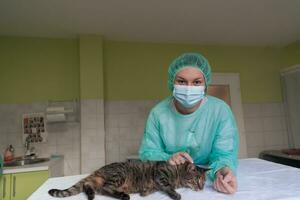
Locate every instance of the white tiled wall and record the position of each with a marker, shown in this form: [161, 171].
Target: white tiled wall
[92, 135]
[112, 131]
[124, 125]
[265, 127]
[63, 138]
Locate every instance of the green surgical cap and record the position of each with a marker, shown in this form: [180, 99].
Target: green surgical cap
[189, 60]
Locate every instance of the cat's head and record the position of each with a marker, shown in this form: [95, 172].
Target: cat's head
[193, 176]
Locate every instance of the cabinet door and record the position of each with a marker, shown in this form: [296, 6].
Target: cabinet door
[24, 184]
[5, 187]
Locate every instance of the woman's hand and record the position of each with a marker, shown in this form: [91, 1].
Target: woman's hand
[180, 158]
[225, 181]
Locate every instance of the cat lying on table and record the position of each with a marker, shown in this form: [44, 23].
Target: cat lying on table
[122, 178]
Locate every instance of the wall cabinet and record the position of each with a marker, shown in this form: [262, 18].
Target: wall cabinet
[20, 186]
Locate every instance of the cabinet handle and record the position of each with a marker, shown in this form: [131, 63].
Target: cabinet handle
[14, 186]
[4, 187]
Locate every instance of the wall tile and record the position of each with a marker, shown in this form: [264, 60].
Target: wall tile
[252, 110]
[89, 107]
[253, 124]
[271, 109]
[92, 136]
[284, 123]
[112, 150]
[129, 148]
[89, 121]
[272, 124]
[126, 133]
[126, 120]
[100, 107]
[112, 134]
[111, 107]
[128, 107]
[265, 121]
[111, 120]
[253, 152]
[255, 139]
[273, 138]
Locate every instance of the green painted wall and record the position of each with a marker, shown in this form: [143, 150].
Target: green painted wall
[291, 55]
[34, 70]
[91, 67]
[139, 70]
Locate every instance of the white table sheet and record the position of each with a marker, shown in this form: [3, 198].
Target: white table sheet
[257, 180]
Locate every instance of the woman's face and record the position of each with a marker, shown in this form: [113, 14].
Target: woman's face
[189, 76]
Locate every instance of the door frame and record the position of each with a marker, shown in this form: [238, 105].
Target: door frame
[290, 132]
[233, 80]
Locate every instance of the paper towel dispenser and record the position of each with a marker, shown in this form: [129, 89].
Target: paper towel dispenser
[55, 117]
[62, 111]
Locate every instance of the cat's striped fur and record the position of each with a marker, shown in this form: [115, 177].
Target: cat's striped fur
[120, 179]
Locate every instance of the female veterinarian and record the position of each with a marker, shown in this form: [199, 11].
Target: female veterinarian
[191, 125]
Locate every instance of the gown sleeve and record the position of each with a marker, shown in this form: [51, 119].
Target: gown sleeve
[152, 146]
[225, 145]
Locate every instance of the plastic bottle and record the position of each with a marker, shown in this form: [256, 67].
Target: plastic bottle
[1, 165]
[9, 153]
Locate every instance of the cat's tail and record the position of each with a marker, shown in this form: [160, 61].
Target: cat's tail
[94, 182]
[75, 189]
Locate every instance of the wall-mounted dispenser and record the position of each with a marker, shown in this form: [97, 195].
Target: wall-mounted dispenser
[62, 111]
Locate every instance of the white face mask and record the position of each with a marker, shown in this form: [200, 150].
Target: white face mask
[188, 96]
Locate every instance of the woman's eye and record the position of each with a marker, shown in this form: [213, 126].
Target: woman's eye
[197, 82]
[180, 82]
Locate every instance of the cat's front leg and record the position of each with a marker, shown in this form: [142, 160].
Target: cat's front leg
[146, 191]
[89, 191]
[172, 193]
[165, 186]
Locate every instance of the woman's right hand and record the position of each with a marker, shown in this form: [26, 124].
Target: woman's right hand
[180, 158]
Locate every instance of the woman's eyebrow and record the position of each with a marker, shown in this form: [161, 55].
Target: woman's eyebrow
[179, 77]
[196, 79]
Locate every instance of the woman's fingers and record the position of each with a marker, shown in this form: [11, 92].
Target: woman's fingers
[231, 181]
[228, 188]
[172, 162]
[225, 182]
[186, 156]
[180, 158]
[220, 185]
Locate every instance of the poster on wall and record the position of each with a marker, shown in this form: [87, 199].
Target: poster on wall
[34, 128]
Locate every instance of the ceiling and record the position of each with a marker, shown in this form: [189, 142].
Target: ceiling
[235, 22]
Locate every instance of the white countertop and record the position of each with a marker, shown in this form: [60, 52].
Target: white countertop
[32, 167]
[257, 180]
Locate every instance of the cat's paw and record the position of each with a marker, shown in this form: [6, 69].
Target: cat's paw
[176, 196]
[89, 192]
[125, 196]
[53, 192]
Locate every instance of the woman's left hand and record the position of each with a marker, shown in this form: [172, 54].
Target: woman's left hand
[225, 181]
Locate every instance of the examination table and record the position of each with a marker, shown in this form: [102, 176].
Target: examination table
[257, 180]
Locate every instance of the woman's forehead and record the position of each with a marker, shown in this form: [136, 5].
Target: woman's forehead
[189, 73]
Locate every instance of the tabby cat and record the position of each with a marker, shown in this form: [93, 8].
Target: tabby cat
[120, 179]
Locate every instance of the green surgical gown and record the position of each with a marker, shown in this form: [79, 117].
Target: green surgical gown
[209, 134]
